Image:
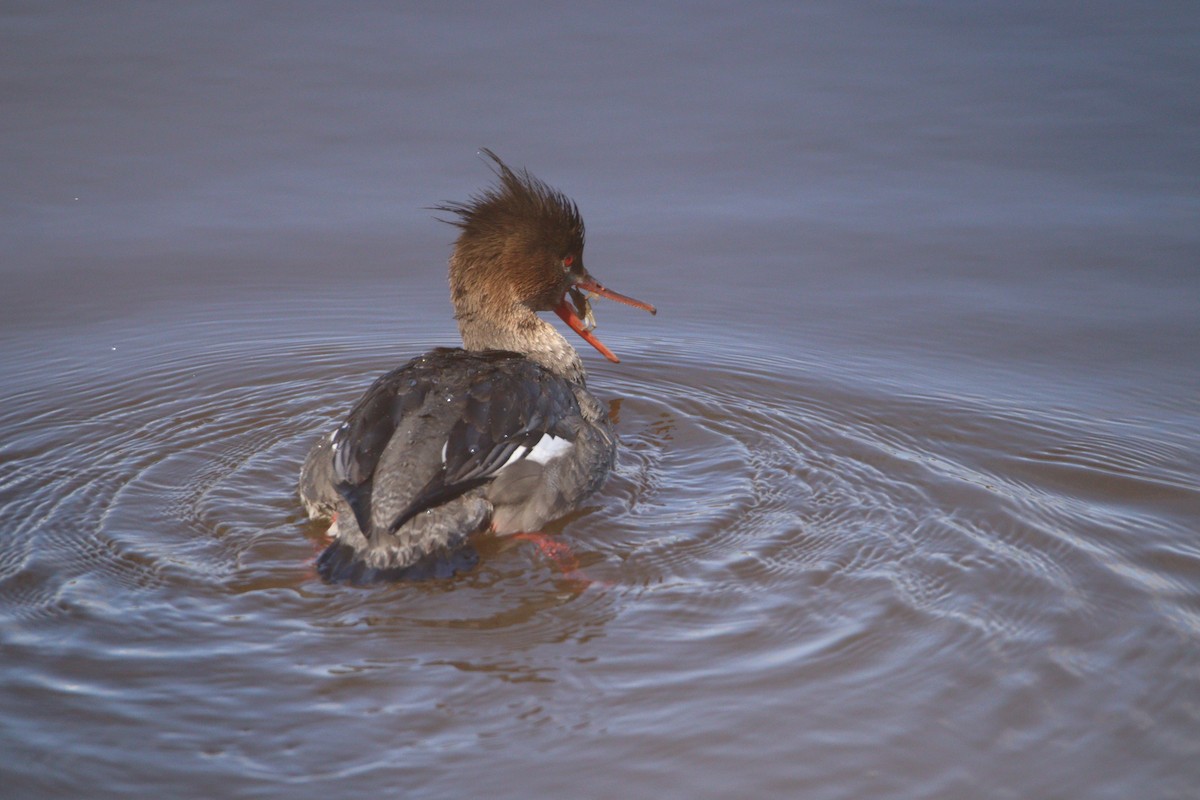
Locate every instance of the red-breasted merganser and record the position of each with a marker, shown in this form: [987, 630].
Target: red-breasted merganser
[501, 435]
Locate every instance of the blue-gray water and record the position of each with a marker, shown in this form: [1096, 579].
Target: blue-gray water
[908, 498]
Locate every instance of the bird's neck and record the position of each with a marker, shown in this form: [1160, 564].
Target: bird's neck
[520, 330]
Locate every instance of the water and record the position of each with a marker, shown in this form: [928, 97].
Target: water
[907, 502]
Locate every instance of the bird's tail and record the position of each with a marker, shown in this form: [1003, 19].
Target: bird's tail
[341, 563]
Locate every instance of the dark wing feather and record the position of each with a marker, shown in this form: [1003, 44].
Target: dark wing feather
[504, 409]
[498, 401]
[359, 443]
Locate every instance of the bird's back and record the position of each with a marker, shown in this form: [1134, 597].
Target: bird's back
[410, 473]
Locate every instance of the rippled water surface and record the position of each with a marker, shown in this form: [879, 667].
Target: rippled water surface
[907, 503]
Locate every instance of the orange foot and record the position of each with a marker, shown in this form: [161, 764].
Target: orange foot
[560, 554]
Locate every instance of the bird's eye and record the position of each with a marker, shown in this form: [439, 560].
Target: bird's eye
[568, 261]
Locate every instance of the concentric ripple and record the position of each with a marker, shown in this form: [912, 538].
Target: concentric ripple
[741, 480]
[771, 524]
[737, 477]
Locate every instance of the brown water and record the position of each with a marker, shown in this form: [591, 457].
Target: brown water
[907, 504]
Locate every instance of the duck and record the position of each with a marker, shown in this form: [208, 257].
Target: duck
[499, 436]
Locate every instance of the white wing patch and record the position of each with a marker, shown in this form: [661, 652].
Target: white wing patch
[549, 448]
[517, 455]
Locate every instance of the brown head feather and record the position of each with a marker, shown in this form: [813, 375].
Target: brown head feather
[514, 237]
